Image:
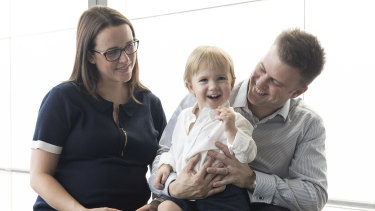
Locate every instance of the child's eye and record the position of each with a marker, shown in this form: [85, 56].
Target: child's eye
[203, 80]
[222, 78]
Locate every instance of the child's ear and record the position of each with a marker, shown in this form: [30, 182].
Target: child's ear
[90, 57]
[189, 87]
[233, 82]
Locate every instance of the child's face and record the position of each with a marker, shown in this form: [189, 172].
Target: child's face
[211, 86]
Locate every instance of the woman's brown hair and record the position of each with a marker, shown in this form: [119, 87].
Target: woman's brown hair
[93, 21]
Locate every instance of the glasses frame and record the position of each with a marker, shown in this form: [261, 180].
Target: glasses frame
[104, 53]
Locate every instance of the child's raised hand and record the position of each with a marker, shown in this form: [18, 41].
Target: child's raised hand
[228, 117]
[161, 176]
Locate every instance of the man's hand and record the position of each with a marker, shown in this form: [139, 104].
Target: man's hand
[236, 173]
[195, 185]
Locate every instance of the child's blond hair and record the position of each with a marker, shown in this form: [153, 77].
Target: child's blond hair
[212, 56]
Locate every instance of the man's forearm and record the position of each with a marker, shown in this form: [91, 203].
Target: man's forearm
[291, 193]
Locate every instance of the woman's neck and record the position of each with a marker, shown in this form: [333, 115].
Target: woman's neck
[118, 93]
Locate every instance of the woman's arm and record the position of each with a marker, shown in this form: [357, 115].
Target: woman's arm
[42, 167]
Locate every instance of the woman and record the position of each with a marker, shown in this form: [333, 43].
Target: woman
[97, 132]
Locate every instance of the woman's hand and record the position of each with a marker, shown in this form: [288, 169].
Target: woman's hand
[153, 206]
[195, 185]
[103, 209]
[235, 172]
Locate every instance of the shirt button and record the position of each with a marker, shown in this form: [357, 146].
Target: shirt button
[255, 126]
[260, 197]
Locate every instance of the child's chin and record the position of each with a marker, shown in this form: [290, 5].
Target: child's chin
[213, 106]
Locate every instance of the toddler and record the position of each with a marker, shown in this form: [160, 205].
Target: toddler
[209, 76]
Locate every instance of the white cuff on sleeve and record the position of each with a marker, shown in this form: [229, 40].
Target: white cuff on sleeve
[46, 147]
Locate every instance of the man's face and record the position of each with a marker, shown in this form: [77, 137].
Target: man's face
[272, 83]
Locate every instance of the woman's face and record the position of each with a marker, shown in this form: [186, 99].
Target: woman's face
[118, 71]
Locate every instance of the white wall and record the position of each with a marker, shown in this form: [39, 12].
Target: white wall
[37, 50]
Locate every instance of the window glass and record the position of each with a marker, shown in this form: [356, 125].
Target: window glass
[39, 62]
[342, 94]
[5, 184]
[166, 41]
[30, 17]
[23, 197]
[5, 19]
[5, 103]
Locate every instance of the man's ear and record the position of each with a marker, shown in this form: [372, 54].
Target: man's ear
[299, 91]
[189, 87]
[90, 57]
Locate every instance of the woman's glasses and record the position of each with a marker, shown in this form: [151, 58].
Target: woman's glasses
[115, 54]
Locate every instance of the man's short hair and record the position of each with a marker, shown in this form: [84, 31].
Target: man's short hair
[303, 51]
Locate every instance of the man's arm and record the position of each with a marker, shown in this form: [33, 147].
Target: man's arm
[306, 186]
[304, 189]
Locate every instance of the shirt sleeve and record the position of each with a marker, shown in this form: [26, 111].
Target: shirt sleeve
[167, 158]
[160, 194]
[165, 144]
[243, 146]
[53, 122]
[158, 116]
[305, 188]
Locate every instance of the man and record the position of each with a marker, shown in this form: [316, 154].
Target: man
[289, 171]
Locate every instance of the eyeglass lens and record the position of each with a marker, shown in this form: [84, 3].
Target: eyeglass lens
[115, 54]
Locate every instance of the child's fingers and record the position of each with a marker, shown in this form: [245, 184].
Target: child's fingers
[157, 183]
[159, 186]
[223, 110]
[158, 177]
[164, 178]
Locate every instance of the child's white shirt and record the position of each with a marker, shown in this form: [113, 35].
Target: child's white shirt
[206, 131]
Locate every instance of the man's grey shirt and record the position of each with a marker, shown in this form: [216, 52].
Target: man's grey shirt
[290, 165]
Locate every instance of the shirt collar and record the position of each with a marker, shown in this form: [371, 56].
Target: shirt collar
[283, 111]
[241, 98]
[204, 114]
